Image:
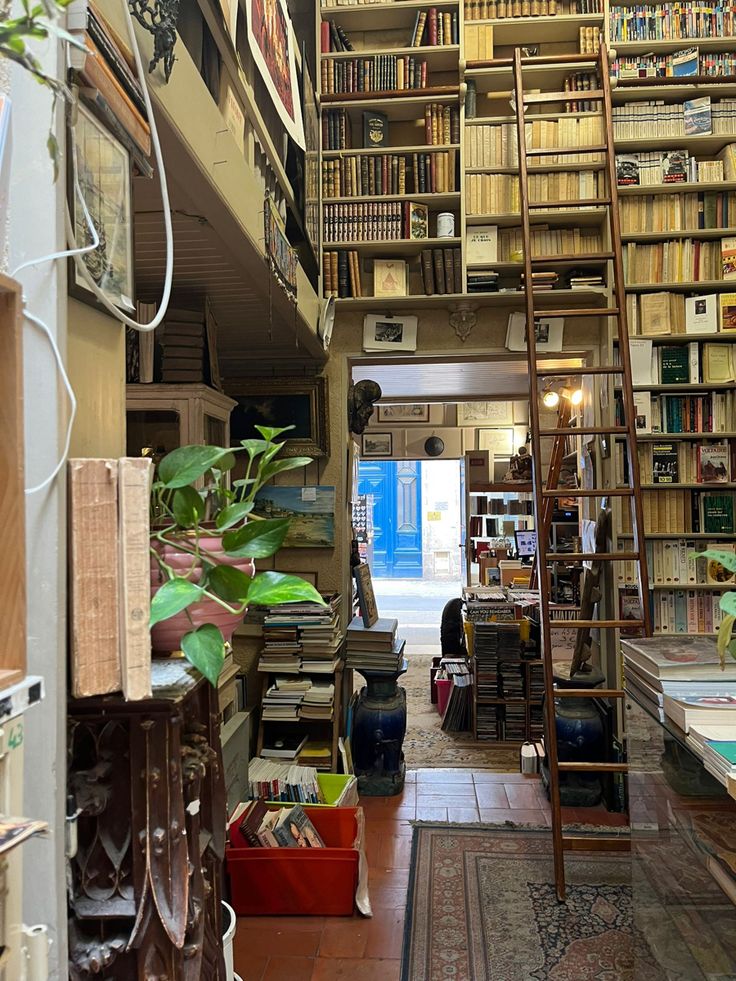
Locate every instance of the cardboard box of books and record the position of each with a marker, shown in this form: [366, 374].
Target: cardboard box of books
[298, 860]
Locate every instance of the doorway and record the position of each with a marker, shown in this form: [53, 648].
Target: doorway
[395, 489]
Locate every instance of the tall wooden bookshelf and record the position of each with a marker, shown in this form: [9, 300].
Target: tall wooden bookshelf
[679, 513]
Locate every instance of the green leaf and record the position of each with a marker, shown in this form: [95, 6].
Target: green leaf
[232, 514]
[257, 539]
[725, 632]
[728, 603]
[205, 649]
[186, 464]
[188, 507]
[254, 447]
[173, 597]
[270, 432]
[726, 559]
[230, 584]
[272, 588]
[281, 466]
[52, 145]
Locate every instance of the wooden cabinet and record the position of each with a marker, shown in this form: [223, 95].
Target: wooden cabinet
[162, 417]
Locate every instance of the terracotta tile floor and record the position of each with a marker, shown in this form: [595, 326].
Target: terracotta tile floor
[362, 949]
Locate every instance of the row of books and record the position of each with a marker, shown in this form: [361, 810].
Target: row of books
[589, 40]
[478, 42]
[681, 260]
[265, 827]
[496, 145]
[336, 129]
[680, 462]
[442, 271]
[279, 781]
[492, 9]
[300, 637]
[375, 222]
[377, 647]
[389, 173]
[655, 118]
[677, 65]
[681, 364]
[709, 413]
[686, 19]
[677, 562]
[292, 699]
[682, 512]
[670, 167]
[492, 194]
[433, 28]
[547, 241]
[582, 82]
[341, 274]
[376, 73]
[667, 314]
[677, 212]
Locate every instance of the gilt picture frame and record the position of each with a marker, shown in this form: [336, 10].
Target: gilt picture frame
[279, 402]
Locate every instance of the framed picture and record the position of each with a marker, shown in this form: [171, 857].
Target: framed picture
[384, 333]
[389, 277]
[311, 511]
[377, 444]
[408, 412]
[366, 596]
[498, 442]
[548, 333]
[298, 402]
[485, 413]
[211, 334]
[104, 172]
[272, 45]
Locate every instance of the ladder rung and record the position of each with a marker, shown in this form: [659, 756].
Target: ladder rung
[548, 151]
[603, 624]
[579, 203]
[566, 372]
[590, 693]
[577, 767]
[583, 430]
[575, 259]
[591, 556]
[592, 94]
[596, 492]
[598, 843]
[580, 312]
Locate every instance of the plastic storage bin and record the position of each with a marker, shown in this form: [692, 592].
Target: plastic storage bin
[298, 881]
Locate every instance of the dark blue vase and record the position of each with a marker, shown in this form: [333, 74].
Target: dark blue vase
[581, 738]
[379, 727]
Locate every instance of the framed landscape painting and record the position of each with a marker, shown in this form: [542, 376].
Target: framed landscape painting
[280, 402]
[311, 511]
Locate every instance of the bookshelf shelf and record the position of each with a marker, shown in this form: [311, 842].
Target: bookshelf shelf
[560, 27]
[675, 44]
[401, 246]
[510, 298]
[684, 188]
[391, 16]
[701, 487]
[420, 148]
[397, 106]
[685, 387]
[497, 79]
[688, 286]
[687, 338]
[702, 144]
[547, 168]
[584, 259]
[692, 90]
[693, 437]
[435, 201]
[531, 116]
[439, 57]
[720, 587]
[518, 487]
[699, 233]
[558, 216]
[699, 535]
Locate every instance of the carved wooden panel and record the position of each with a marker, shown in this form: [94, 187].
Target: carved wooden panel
[146, 879]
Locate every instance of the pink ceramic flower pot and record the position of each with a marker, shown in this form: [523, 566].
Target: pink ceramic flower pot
[166, 635]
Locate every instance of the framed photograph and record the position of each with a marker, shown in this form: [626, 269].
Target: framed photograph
[389, 277]
[498, 442]
[105, 175]
[366, 596]
[485, 413]
[298, 402]
[377, 444]
[408, 412]
[383, 333]
[548, 332]
[311, 511]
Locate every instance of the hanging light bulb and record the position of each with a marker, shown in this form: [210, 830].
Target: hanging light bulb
[550, 398]
[577, 397]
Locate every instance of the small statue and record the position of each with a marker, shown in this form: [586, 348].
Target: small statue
[520, 466]
[361, 398]
[452, 629]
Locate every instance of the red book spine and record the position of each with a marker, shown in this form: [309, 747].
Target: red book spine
[325, 36]
[432, 21]
[428, 124]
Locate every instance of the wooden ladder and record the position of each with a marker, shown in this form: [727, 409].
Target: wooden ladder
[546, 486]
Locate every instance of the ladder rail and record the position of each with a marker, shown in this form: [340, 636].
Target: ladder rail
[539, 508]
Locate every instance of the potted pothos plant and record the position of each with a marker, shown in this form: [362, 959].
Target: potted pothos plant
[204, 541]
[725, 640]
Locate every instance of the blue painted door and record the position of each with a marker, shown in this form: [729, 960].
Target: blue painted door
[396, 488]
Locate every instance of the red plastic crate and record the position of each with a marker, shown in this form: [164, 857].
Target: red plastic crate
[298, 881]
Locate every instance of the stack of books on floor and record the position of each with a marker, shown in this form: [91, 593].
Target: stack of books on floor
[273, 780]
[377, 647]
[291, 699]
[281, 827]
[300, 637]
[459, 711]
[318, 702]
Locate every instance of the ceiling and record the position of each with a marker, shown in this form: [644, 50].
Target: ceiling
[460, 379]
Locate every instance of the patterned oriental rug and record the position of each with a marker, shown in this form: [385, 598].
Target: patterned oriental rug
[482, 907]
